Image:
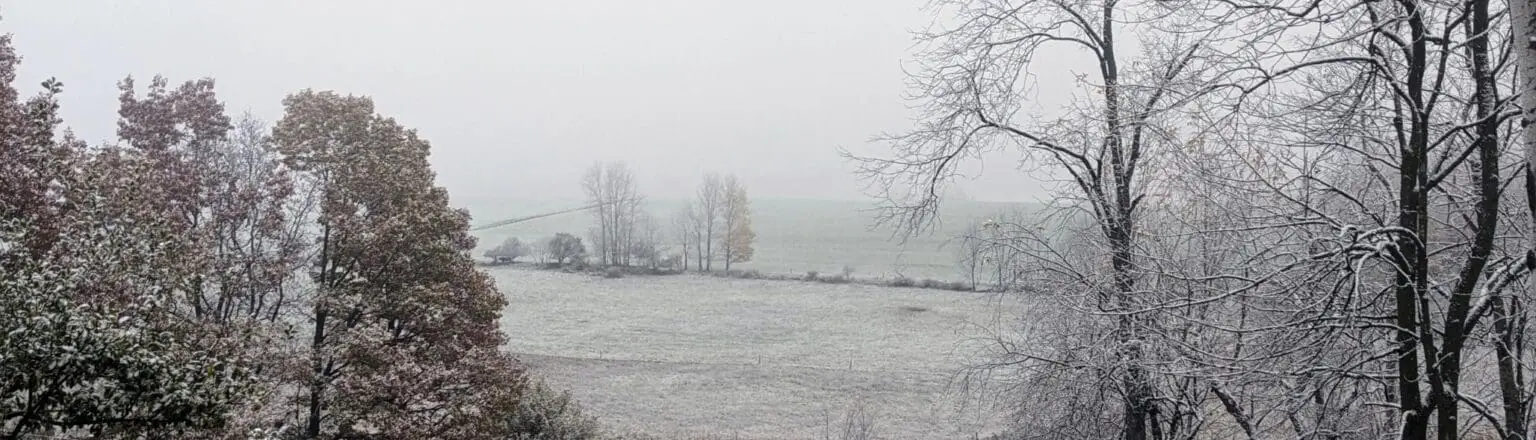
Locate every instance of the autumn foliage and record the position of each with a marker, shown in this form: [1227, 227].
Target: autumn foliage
[404, 340]
[207, 278]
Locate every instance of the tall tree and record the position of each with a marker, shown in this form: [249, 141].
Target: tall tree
[405, 336]
[626, 212]
[611, 189]
[1406, 93]
[101, 264]
[594, 183]
[708, 213]
[684, 232]
[970, 93]
[1510, 351]
[736, 214]
[698, 223]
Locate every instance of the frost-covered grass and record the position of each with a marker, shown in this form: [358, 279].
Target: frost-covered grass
[693, 355]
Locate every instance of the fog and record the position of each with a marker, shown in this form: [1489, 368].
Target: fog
[519, 97]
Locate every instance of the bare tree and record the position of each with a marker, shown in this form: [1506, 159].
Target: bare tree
[684, 231]
[646, 244]
[989, 250]
[565, 248]
[708, 212]
[1282, 199]
[626, 200]
[594, 184]
[1509, 319]
[1399, 107]
[698, 223]
[611, 189]
[970, 91]
[540, 250]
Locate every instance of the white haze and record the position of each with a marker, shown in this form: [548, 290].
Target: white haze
[518, 97]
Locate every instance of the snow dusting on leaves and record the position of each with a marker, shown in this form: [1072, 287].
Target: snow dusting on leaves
[203, 278]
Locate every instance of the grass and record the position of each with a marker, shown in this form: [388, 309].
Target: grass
[689, 355]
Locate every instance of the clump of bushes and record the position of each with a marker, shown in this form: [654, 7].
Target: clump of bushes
[958, 286]
[641, 270]
[930, 283]
[507, 252]
[751, 274]
[846, 277]
[544, 414]
[565, 247]
[842, 278]
[748, 274]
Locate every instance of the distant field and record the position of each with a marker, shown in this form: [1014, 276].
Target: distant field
[688, 355]
[793, 236]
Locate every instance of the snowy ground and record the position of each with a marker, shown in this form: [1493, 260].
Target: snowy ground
[688, 355]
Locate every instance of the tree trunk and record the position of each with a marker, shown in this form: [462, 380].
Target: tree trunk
[317, 344]
[1507, 347]
[725, 236]
[1510, 325]
[1413, 279]
[317, 383]
[1136, 401]
[1486, 165]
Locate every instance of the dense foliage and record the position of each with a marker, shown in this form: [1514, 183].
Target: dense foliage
[202, 278]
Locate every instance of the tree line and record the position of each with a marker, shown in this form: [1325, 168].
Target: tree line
[717, 222]
[1273, 219]
[715, 226]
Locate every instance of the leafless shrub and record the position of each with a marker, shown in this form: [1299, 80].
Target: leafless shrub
[856, 423]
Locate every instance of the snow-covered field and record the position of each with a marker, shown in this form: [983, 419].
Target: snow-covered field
[691, 355]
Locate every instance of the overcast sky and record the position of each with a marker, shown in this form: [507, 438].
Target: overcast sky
[519, 97]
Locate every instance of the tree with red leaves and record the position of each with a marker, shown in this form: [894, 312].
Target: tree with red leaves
[404, 335]
[97, 279]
